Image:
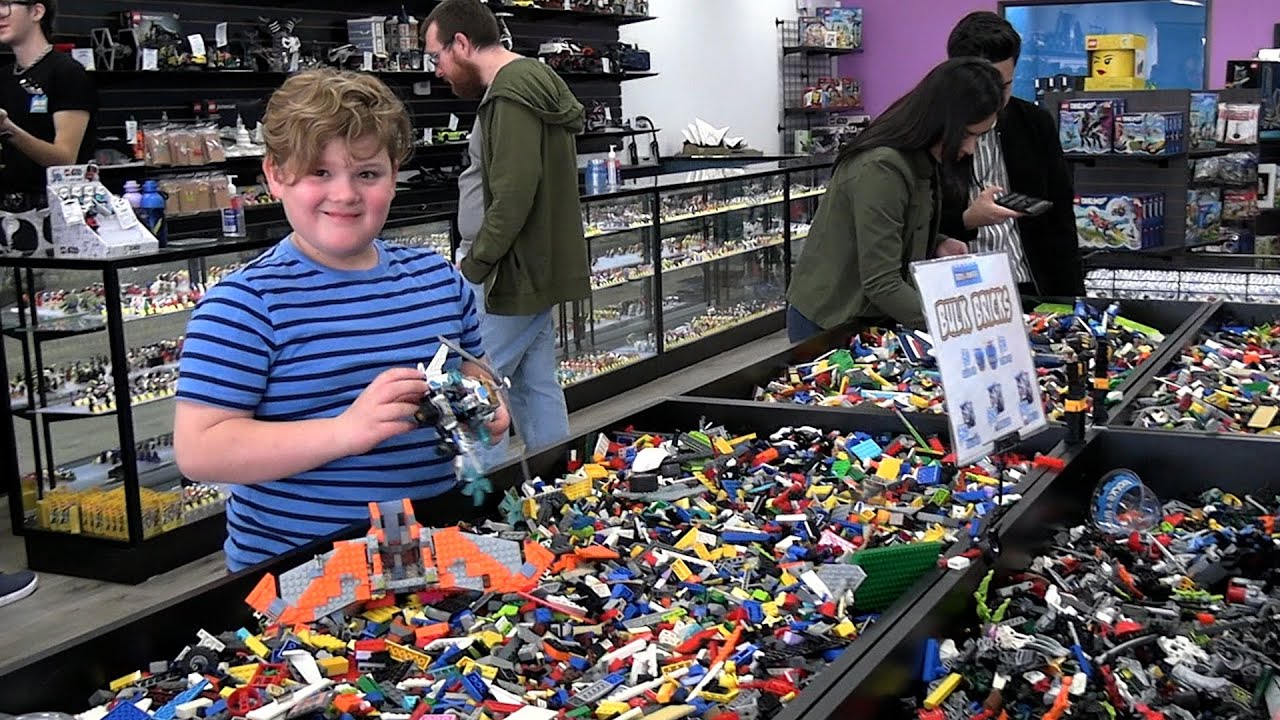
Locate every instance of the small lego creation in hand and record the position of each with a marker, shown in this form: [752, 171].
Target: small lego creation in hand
[459, 406]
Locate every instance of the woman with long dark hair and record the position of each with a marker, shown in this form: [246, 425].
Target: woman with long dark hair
[881, 209]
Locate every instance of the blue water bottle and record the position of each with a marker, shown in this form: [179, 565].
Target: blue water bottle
[151, 213]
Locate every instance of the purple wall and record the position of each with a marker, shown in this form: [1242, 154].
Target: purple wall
[903, 39]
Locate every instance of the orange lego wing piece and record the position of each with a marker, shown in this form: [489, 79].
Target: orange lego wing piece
[596, 552]
[539, 557]
[263, 594]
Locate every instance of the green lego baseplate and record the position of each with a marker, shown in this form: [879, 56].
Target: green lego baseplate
[890, 572]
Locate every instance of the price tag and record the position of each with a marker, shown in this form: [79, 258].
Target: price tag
[84, 56]
[124, 213]
[131, 131]
[453, 121]
[220, 35]
[602, 446]
[72, 213]
[197, 44]
[150, 59]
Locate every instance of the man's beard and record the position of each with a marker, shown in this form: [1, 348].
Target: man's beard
[467, 85]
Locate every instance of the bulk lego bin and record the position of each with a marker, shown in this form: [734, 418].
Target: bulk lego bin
[1248, 314]
[63, 677]
[1171, 318]
[1173, 466]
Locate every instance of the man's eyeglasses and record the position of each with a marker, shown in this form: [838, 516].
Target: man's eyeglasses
[6, 6]
[433, 57]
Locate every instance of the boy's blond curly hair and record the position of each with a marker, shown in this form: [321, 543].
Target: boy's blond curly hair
[314, 107]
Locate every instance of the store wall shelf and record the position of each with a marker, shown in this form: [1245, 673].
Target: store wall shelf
[819, 51]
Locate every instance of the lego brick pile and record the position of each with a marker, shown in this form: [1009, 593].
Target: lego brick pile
[1180, 623]
[693, 574]
[1227, 381]
[896, 369]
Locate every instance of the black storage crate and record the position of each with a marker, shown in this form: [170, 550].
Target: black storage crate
[64, 677]
[1169, 317]
[1249, 314]
[1173, 466]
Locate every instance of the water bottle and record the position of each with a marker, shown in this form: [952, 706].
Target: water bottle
[152, 215]
[597, 176]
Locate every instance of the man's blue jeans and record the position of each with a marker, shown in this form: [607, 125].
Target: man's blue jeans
[522, 348]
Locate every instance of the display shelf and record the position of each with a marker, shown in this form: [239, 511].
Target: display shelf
[61, 678]
[615, 133]
[819, 51]
[609, 77]
[714, 322]
[541, 14]
[824, 110]
[59, 413]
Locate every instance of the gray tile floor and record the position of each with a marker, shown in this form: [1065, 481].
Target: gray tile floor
[65, 607]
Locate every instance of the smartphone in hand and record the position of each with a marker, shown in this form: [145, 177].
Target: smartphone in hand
[1024, 204]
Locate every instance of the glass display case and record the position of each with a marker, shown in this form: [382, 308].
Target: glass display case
[1177, 275]
[91, 351]
[683, 266]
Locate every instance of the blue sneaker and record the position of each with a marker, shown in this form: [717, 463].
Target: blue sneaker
[15, 586]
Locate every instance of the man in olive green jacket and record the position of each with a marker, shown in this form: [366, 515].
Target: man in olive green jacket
[880, 214]
[519, 216]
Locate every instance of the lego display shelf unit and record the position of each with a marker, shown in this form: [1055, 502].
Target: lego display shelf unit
[63, 677]
[1182, 275]
[1174, 467]
[90, 349]
[684, 266]
[1172, 319]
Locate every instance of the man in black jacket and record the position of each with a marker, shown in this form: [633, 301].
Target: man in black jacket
[1021, 154]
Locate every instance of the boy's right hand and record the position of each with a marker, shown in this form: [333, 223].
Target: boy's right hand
[384, 409]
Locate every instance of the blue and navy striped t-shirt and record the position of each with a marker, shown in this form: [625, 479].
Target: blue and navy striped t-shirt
[291, 339]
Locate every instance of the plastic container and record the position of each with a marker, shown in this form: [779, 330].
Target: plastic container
[597, 176]
[131, 194]
[1122, 504]
[151, 213]
[233, 224]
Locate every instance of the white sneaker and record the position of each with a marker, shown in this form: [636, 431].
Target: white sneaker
[15, 586]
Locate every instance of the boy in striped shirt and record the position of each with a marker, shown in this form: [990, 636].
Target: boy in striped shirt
[297, 384]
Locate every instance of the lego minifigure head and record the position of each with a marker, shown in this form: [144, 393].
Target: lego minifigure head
[1111, 63]
[335, 140]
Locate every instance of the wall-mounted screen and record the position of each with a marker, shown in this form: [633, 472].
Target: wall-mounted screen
[1053, 38]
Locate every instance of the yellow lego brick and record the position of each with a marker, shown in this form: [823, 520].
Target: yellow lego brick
[322, 642]
[666, 692]
[578, 490]
[722, 446]
[701, 551]
[381, 615]
[673, 667]
[845, 629]
[919, 402]
[770, 608]
[595, 471]
[934, 534]
[530, 508]
[488, 672]
[491, 638]
[121, 683]
[688, 540]
[610, 708]
[740, 593]
[984, 479]
[226, 691]
[727, 551]
[681, 570]
[243, 673]
[257, 647]
[889, 468]
[787, 579]
[637, 551]
[821, 491]
[742, 438]
[722, 697]
[334, 666]
[943, 691]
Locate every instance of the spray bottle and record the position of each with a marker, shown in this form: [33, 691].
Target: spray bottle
[613, 169]
[233, 224]
[152, 216]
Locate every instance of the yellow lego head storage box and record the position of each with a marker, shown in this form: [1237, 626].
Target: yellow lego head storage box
[1116, 62]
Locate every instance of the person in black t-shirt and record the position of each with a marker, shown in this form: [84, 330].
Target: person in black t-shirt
[47, 104]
